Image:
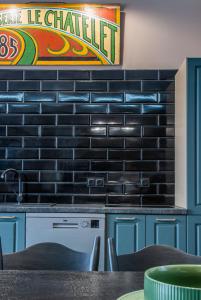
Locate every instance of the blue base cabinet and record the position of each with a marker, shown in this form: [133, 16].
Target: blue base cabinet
[194, 235]
[12, 232]
[166, 230]
[128, 232]
[133, 232]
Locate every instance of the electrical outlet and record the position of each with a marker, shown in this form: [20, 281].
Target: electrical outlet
[91, 182]
[100, 182]
[145, 182]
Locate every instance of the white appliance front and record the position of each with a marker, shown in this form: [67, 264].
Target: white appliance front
[76, 231]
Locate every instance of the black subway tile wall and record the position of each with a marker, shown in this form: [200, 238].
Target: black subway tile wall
[101, 136]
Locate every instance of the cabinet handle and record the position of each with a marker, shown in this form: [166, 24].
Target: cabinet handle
[125, 219]
[8, 217]
[166, 220]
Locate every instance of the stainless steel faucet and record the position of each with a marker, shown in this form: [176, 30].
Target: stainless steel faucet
[19, 177]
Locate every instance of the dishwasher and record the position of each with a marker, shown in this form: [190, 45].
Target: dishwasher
[76, 231]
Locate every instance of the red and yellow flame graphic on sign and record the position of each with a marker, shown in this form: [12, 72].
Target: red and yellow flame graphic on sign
[59, 34]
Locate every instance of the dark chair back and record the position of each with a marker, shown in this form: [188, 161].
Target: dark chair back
[149, 257]
[53, 256]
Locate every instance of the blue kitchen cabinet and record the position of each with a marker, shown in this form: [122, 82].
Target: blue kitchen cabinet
[166, 230]
[128, 232]
[194, 235]
[12, 232]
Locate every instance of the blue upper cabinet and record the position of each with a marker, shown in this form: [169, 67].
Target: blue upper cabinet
[188, 136]
[166, 230]
[128, 232]
[12, 232]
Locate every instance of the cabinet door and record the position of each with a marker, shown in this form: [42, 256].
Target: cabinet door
[194, 235]
[12, 232]
[166, 230]
[194, 135]
[128, 232]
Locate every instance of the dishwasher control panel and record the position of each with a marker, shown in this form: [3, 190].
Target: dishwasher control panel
[90, 224]
[94, 223]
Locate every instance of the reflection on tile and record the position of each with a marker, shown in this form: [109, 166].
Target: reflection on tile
[90, 131]
[39, 97]
[73, 97]
[141, 98]
[158, 109]
[107, 97]
[107, 119]
[11, 97]
[124, 177]
[124, 131]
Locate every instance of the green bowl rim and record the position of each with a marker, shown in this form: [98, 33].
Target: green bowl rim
[178, 265]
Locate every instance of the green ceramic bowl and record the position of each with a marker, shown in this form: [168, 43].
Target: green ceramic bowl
[175, 282]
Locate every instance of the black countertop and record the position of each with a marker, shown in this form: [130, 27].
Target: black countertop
[57, 285]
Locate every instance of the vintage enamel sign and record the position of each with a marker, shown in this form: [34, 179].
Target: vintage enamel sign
[59, 34]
